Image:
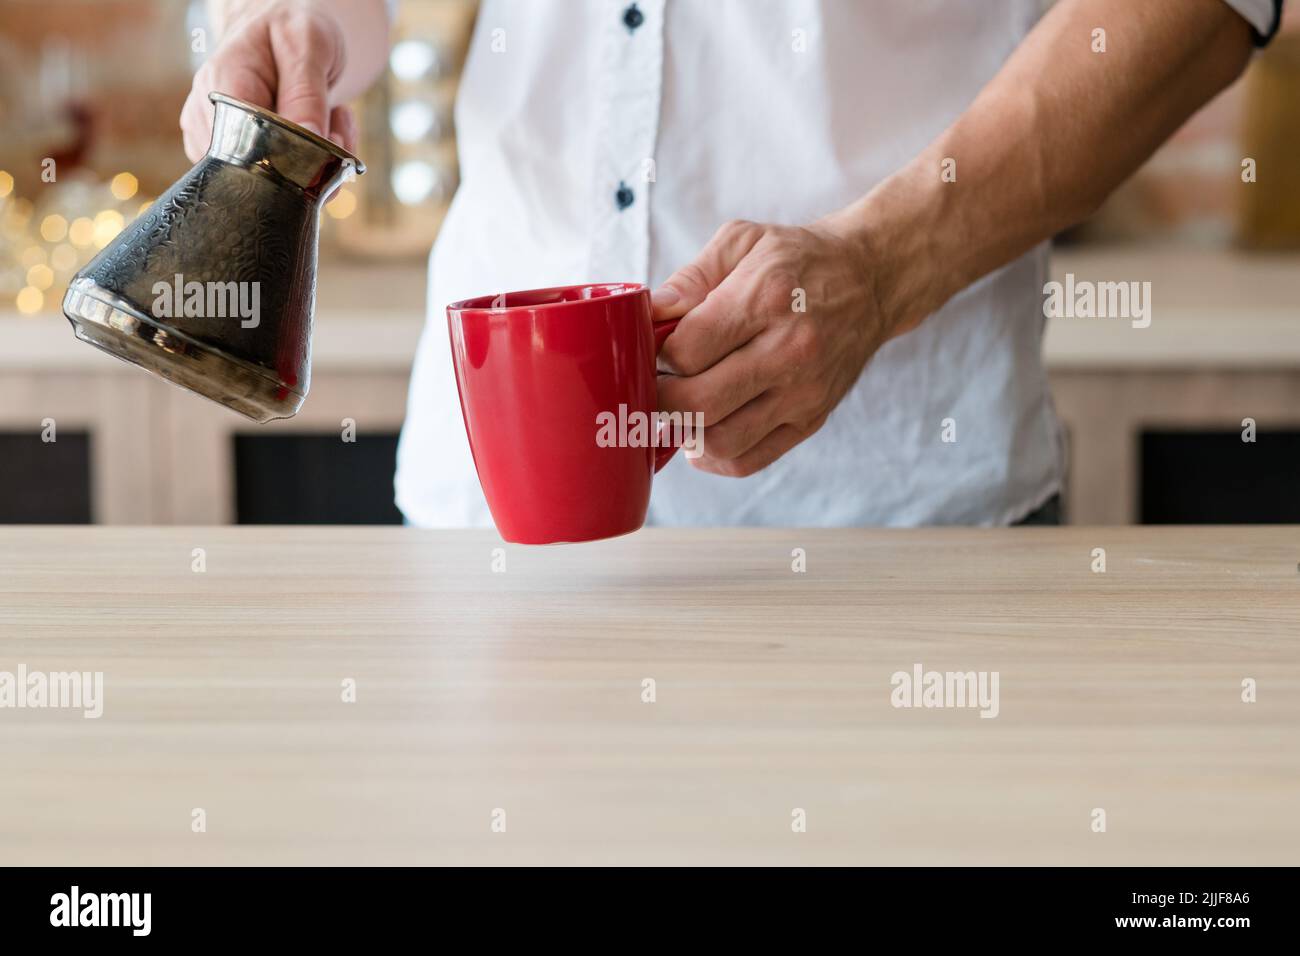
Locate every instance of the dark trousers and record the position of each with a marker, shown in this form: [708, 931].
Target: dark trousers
[1049, 513]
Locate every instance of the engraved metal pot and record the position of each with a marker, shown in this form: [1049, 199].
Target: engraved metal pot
[214, 287]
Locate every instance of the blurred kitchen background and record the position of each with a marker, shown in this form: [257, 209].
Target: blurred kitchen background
[1154, 416]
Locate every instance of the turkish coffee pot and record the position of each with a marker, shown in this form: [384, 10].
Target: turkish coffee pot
[214, 286]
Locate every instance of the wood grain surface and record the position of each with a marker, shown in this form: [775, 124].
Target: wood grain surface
[521, 691]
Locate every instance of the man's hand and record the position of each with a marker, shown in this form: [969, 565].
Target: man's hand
[301, 58]
[1045, 141]
[778, 323]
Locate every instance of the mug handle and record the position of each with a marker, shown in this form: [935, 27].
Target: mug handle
[662, 330]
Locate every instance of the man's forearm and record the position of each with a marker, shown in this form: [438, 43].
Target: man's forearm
[1045, 142]
[364, 25]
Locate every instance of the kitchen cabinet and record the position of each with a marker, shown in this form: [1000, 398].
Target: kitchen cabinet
[161, 455]
[1223, 346]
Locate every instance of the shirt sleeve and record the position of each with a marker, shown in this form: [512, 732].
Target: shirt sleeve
[1262, 15]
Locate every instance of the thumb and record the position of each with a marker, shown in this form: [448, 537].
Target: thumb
[688, 286]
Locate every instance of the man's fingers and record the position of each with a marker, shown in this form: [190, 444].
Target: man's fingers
[777, 442]
[196, 126]
[689, 285]
[303, 98]
[196, 115]
[238, 79]
[744, 428]
[307, 70]
[286, 58]
[343, 128]
[715, 393]
[714, 329]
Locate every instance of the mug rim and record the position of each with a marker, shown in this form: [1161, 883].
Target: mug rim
[482, 303]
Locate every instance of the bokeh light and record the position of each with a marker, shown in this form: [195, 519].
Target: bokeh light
[82, 232]
[63, 258]
[414, 182]
[29, 300]
[40, 277]
[412, 120]
[342, 205]
[412, 59]
[53, 228]
[123, 186]
[107, 225]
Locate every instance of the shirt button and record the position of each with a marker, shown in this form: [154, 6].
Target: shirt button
[632, 18]
[624, 197]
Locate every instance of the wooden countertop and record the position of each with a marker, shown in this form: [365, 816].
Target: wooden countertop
[522, 691]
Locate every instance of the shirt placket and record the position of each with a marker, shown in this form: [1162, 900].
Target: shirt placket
[629, 86]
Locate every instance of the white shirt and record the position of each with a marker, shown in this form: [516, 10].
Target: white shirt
[769, 110]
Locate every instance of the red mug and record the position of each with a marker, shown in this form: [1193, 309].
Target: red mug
[538, 372]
